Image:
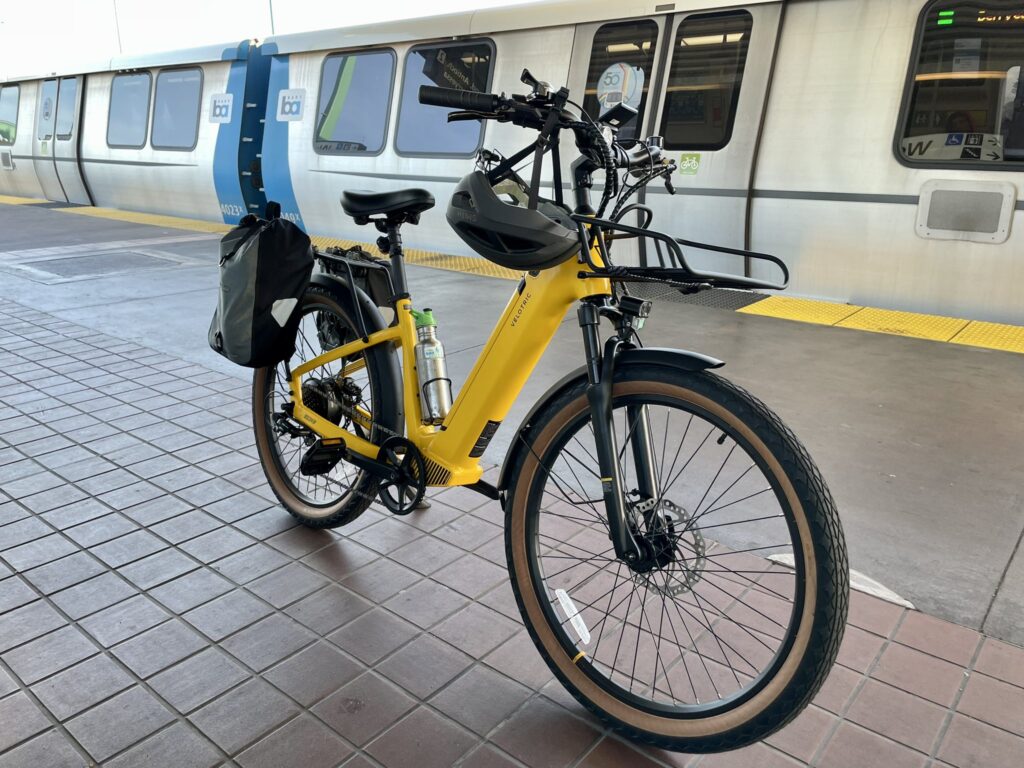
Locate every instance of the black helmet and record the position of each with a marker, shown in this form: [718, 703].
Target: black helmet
[510, 234]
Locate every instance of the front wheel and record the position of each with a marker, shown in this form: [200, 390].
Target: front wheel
[732, 622]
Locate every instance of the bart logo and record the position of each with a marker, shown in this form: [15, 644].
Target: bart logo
[220, 107]
[289, 104]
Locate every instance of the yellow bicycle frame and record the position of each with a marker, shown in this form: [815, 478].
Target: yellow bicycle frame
[517, 342]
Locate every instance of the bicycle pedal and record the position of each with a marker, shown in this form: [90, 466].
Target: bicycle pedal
[322, 457]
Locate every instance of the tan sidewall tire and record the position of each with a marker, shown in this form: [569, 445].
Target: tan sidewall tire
[660, 726]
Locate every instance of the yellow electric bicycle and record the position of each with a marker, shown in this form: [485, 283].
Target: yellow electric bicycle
[675, 553]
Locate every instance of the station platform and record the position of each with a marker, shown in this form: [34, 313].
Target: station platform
[158, 608]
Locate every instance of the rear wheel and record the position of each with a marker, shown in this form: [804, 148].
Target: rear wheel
[348, 391]
[732, 623]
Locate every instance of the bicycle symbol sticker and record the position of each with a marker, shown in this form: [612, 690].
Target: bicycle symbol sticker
[620, 83]
[689, 163]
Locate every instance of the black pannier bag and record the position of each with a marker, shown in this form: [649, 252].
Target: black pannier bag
[265, 266]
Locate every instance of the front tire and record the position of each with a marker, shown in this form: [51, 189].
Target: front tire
[715, 646]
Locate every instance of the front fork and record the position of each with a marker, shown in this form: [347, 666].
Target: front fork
[600, 374]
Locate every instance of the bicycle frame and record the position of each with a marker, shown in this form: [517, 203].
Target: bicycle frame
[516, 344]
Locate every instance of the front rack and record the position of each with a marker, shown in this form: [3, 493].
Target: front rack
[673, 267]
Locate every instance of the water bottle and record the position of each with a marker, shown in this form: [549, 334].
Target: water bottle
[431, 371]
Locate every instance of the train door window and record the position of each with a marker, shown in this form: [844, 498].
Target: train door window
[47, 110]
[8, 113]
[66, 103]
[176, 109]
[355, 100]
[708, 57]
[128, 118]
[621, 70]
[424, 130]
[965, 95]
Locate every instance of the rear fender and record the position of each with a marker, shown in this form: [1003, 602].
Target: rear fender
[659, 356]
[390, 415]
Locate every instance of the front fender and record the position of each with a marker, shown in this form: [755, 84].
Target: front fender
[678, 359]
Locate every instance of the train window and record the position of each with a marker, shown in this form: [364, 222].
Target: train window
[704, 80]
[355, 100]
[128, 118]
[621, 69]
[66, 103]
[965, 99]
[47, 108]
[8, 113]
[424, 130]
[176, 109]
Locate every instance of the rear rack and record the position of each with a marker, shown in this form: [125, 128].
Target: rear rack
[673, 267]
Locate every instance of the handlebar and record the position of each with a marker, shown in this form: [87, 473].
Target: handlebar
[456, 99]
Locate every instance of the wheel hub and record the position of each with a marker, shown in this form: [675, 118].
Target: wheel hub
[674, 548]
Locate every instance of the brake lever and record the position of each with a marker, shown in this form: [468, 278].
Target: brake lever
[454, 117]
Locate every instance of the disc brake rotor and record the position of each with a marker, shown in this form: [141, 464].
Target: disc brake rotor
[681, 566]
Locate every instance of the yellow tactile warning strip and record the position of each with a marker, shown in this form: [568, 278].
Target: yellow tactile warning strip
[419, 257]
[801, 310]
[11, 200]
[975, 333]
[913, 324]
[1009, 338]
[152, 219]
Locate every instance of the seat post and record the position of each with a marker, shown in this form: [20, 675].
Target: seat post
[393, 229]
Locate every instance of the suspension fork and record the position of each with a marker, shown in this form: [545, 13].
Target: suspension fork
[600, 374]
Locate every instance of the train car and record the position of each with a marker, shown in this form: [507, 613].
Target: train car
[876, 145]
[177, 133]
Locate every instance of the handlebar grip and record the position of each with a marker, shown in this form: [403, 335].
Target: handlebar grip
[455, 99]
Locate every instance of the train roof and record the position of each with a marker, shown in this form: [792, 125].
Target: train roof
[198, 55]
[482, 22]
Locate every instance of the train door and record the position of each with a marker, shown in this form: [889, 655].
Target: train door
[43, 142]
[65, 143]
[614, 62]
[709, 109]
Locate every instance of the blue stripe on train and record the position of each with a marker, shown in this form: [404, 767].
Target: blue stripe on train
[277, 178]
[226, 178]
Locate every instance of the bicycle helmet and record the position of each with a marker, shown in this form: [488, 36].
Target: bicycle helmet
[511, 234]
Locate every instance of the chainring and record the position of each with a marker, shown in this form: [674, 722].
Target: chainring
[402, 494]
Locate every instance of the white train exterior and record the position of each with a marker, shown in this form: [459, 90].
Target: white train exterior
[876, 145]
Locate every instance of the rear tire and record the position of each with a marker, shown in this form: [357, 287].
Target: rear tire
[548, 549]
[312, 502]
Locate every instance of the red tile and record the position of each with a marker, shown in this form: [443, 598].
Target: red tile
[970, 744]
[612, 753]
[853, 747]
[422, 740]
[873, 614]
[838, 688]
[919, 674]
[995, 702]
[859, 649]
[897, 715]
[1002, 660]
[754, 756]
[802, 737]
[939, 638]
[544, 735]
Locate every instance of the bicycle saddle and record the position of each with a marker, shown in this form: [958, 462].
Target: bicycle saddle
[400, 205]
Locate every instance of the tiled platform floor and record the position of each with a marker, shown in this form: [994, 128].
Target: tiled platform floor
[158, 609]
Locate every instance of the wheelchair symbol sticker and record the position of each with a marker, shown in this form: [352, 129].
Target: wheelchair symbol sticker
[954, 139]
[220, 107]
[289, 104]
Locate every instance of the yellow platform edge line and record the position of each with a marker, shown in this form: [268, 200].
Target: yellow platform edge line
[12, 200]
[975, 333]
